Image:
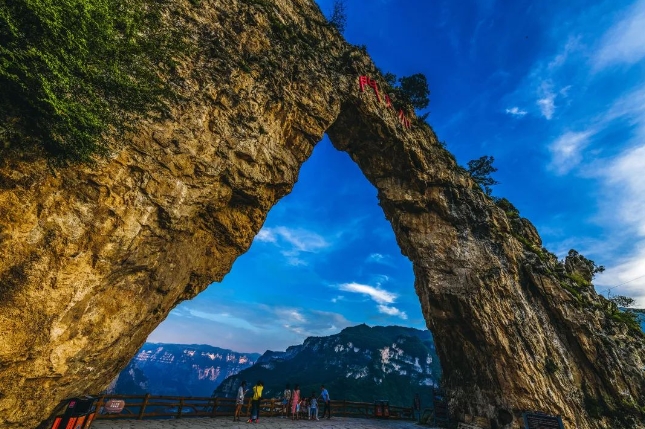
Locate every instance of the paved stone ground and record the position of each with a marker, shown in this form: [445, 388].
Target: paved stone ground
[266, 423]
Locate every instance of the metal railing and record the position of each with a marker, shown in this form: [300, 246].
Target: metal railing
[159, 407]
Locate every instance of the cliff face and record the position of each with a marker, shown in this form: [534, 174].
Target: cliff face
[92, 259]
[180, 370]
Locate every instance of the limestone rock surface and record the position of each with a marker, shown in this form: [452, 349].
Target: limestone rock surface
[92, 259]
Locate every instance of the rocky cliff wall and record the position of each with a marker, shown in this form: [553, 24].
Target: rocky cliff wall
[93, 258]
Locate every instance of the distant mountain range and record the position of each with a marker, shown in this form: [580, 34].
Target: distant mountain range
[179, 370]
[361, 363]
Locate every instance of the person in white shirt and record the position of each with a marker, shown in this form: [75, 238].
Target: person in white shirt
[239, 400]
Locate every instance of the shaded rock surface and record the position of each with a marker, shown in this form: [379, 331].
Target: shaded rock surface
[92, 259]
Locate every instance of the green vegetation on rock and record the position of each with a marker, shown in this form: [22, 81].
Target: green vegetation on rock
[76, 73]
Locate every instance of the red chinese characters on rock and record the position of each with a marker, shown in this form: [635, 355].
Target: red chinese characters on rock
[364, 81]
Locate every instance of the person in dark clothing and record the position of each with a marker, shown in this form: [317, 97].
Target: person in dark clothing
[416, 407]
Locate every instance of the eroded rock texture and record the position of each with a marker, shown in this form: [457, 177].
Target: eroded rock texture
[93, 258]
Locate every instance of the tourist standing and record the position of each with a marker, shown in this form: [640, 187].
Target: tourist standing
[325, 397]
[313, 407]
[286, 400]
[295, 402]
[239, 400]
[416, 407]
[255, 402]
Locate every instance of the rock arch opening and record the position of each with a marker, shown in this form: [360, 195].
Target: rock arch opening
[92, 259]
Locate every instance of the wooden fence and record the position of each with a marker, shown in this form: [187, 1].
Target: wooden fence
[151, 406]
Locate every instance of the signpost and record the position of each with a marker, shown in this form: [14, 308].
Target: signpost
[467, 426]
[542, 421]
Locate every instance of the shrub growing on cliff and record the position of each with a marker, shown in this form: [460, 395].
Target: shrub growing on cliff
[73, 72]
[511, 211]
[410, 90]
[480, 170]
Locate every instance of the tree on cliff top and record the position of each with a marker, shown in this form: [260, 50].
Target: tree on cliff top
[339, 16]
[74, 72]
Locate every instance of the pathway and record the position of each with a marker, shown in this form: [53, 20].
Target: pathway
[266, 423]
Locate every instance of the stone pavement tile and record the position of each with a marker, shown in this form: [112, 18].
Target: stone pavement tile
[267, 423]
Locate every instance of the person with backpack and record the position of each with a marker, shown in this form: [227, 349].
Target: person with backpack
[255, 402]
[239, 400]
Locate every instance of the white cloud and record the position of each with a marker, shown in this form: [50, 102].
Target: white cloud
[383, 298]
[622, 206]
[392, 311]
[290, 315]
[293, 242]
[624, 42]
[572, 45]
[625, 183]
[224, 318]
[266, 235]
[380, 296]
[628, 276]
[516, 111]
[375, 257]
[566, 150]
[301, 239]
[547, 101]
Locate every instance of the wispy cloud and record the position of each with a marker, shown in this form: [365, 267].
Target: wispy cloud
[293, 242]
[246, 326]
[622, 206]
[566, 150]
[379, 295]
[516, 111]
[392, 311]
[624, 42]
[546, 102]
[383, 298]
[375, 257]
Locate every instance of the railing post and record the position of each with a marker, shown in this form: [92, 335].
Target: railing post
[143, 406]
[345, 407]
[272, 405]
[181, 407]
[215, 405]
[214, 400]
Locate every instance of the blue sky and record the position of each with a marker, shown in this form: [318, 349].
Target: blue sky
[555, 92]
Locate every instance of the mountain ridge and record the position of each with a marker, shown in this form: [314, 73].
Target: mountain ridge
[179, 369]
[360, 363]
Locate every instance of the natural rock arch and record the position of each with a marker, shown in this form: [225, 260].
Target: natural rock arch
[92, 259]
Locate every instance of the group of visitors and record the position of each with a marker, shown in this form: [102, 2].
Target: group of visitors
[293, 403]
[299, 406]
